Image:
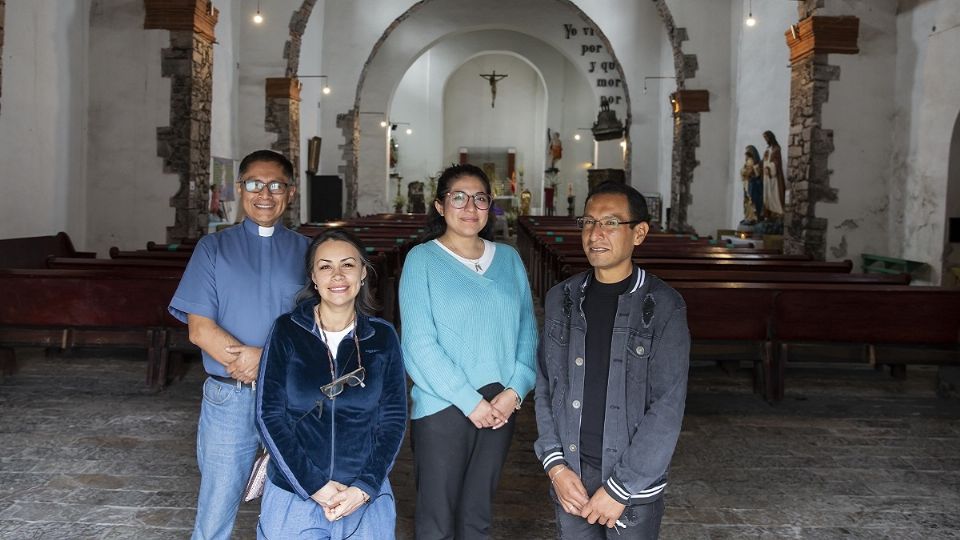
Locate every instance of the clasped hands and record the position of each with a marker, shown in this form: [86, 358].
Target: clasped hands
[245, 363]
[600, 508]
[338, 500]
[496, 412]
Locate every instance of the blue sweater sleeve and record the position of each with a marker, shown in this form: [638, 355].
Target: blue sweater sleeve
[391, 423]
[525, 374]
[290, 457]
[428, 365]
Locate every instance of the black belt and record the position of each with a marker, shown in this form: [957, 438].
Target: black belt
[230, 381]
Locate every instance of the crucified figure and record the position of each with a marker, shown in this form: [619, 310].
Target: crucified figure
[493, 78]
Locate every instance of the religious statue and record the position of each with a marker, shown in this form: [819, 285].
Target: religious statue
[554, 148]
[394, 149]
[525, 196]
[216, 209]
[415, 202]
[752, 176]
[493, 78]
[773, 182]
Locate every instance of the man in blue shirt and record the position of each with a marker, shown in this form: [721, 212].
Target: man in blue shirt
[237, 283]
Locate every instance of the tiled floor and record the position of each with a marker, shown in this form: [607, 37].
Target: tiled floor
[86, 452]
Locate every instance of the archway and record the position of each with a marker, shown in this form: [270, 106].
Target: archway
[504, 16]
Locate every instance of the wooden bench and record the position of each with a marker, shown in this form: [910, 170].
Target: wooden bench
[64, 309]
[891, 325]
[32, 252]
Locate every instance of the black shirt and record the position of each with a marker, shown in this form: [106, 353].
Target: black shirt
[600, 309]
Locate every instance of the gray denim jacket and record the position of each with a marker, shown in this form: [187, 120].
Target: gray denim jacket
[646, 387]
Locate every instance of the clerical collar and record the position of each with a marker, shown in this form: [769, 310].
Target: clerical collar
[264, 232]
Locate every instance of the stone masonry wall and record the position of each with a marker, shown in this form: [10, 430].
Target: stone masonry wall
[349, 126]
[185, 143]
[283, 118]
[810, 145]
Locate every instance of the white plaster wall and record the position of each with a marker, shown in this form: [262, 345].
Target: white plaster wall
[914, 22]
[128, 197]
[261, 56]
[926, 183]
[712, 187]
[951, 255]
[224, 120]
[860, 110]
[43, 119]
[761, 87]
[311, 98]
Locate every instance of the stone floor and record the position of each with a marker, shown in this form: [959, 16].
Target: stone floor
[86, 452]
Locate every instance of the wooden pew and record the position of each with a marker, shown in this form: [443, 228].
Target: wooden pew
[892, 325]
[32, 252]
[79, 308]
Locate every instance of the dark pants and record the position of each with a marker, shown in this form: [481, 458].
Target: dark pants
[457, 468]
[642, 520]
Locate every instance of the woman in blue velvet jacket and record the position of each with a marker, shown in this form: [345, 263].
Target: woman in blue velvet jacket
[332, 404]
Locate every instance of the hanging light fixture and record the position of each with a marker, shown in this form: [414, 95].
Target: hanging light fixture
[750, 20]
[258, 18]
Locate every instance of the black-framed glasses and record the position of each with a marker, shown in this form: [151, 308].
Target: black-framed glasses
[609, 223]
[275, 187]
[335, 387]
[459, 199]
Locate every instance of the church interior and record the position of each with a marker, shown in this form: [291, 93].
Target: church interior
[800, 160]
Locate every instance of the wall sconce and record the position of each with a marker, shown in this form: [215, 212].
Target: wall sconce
[258, 18]
[408, 131]
[326, 87]
[645, 79]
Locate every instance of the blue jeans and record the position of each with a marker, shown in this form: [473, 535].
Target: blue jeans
[227, 443]
[284, 515]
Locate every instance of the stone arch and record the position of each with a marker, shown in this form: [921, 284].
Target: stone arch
[686, 131]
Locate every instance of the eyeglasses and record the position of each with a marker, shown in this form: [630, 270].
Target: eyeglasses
[355, 378]
[275, 187]
[459, 199]
[610, 223]
[335, 387]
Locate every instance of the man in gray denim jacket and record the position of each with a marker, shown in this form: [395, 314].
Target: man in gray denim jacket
[610, 394]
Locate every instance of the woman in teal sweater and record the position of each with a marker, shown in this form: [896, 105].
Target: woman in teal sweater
[469, 342]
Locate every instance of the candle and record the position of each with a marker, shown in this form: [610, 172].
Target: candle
[569, 189]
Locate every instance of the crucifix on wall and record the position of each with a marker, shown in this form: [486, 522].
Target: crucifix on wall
[493, 78]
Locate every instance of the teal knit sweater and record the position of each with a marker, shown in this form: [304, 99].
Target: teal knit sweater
[461, 330]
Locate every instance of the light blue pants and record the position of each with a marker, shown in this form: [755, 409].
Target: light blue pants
[285, 516]
[227, 443]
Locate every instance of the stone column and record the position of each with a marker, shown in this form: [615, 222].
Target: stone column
[810, 144]
[185, 143]
[349, 125]
[687, 106]
[283, 118]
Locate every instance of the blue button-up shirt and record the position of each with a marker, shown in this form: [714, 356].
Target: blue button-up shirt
[242, 281]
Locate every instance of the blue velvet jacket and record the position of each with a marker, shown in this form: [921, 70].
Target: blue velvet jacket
[312, 439]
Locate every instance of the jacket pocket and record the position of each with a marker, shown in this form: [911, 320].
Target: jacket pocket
[558, 332]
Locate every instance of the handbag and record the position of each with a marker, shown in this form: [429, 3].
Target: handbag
[258, 478]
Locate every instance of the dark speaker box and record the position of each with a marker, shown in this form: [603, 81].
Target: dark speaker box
[326, 196]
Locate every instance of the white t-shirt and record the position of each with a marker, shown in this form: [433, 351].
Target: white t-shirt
[334, 338]
[477, 265]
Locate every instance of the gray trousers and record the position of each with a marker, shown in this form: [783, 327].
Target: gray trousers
[642, 520]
